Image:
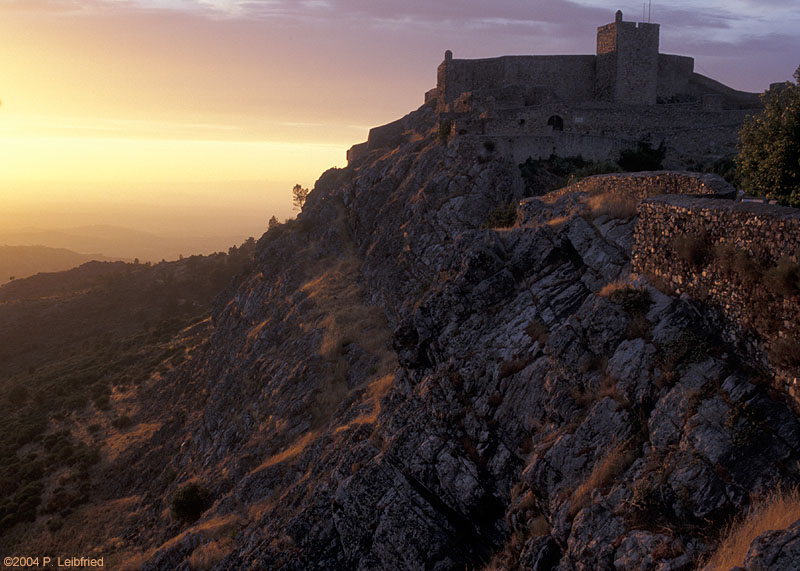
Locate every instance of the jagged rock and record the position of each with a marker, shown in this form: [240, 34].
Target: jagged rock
[644, 551]
[509, 377]
[541, 553]
[775, 550]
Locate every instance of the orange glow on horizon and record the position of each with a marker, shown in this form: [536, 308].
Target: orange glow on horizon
[119, 107]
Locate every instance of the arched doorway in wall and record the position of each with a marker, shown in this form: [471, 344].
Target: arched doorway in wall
[556, 122]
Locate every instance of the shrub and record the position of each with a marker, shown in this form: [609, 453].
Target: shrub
[769, 145]
[643, 158]
[638, 327]
[542, 176]
[504, 216]
[189, 502]
[636, 301]
[784, 352]
[122, 422]
[686, 349]
[17, 395]
[777, 511]
[692, 249]
[537, 331]
[445, 129]
[591, 169]
[783, 280]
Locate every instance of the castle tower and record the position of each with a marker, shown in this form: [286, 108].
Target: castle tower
[627, 62]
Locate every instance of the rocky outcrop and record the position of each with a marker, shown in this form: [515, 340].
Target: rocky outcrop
[394, 387]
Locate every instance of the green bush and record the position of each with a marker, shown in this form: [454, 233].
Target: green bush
[769, 143]
[189, 502]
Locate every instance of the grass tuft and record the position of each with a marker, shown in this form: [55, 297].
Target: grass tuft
[777, 511]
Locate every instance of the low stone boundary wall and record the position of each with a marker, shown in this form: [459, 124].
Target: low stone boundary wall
[643, 185]
[741, 258]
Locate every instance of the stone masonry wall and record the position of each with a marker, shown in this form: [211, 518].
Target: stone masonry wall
[636, 186]
[643, 185]
[637, 63]
[571, 78]
[726, 254]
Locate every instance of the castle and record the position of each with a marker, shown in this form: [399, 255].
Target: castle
[588, 105]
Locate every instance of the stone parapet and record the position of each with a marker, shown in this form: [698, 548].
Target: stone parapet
[740, 258]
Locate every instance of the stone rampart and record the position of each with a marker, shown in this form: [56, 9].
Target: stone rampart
[570, 78]
[740, 258]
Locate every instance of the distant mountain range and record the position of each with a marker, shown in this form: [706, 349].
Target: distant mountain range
[115, 243]
[23, 261]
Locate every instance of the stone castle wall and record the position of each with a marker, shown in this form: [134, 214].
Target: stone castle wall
[600, 132]
[637, 63]
[726, 254]
[567, 78]
[674, 73]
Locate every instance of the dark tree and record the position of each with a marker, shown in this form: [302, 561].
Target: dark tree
[299, 195]
[189, 502]
[769, 146]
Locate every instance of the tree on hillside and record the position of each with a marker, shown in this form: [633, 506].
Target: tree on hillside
[299, 195]
[273, 223]
[769, 143]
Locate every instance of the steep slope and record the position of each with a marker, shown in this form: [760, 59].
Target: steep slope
[394, 387]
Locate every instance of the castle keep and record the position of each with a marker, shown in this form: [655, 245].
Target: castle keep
[589, 105]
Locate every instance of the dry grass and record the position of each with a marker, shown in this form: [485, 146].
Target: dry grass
[209, 554]
[91, 529]
[777, 511]
[345, 320]
[618, 285]
[291, 452]
[558, 221]
[602, 476]
[613, 205]
[131, 561]
[118, 443]
[214, 529]
[587, 394]
[375, 392]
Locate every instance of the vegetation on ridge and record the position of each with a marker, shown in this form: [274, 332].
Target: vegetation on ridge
[769, 158]
[71, 341]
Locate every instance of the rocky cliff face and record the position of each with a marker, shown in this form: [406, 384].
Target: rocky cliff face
[394, 387]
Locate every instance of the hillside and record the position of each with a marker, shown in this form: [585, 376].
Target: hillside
[71, 342]
[417, 373]
[23, 261]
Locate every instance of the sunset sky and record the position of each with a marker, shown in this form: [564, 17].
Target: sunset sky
[200, 115]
